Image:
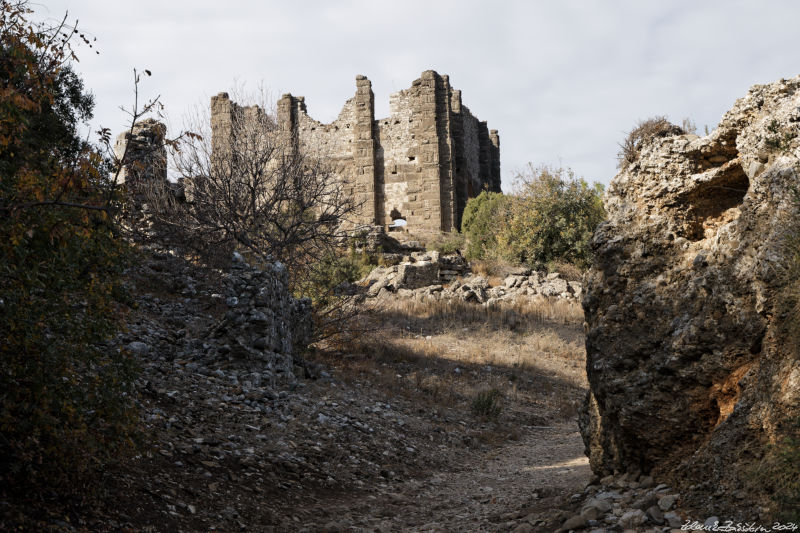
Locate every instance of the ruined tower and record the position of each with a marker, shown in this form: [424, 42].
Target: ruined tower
[421, 164]
[145, 154]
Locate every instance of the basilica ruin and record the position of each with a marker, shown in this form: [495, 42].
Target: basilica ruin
[420, 165]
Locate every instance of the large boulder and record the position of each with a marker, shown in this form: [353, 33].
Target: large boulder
[689, 374]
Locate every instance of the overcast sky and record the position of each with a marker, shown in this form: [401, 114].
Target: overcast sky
[561, 80]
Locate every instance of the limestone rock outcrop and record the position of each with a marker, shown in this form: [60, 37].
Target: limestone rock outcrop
[689, 372]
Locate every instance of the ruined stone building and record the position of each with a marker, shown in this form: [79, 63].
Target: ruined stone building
[421, 164]
[144, 153]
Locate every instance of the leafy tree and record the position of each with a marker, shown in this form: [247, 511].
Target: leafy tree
[553, 218]
[65, 401]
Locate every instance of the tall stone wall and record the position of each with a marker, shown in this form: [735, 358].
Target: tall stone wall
[420, 164]
[471, 165]
[411, 156]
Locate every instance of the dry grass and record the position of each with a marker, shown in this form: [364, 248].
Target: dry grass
[444, 354]
[644, 132]
[444, 314]
[492, 268]
[568, 271]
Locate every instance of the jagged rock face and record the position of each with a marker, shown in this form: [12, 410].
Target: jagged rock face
[684, 358]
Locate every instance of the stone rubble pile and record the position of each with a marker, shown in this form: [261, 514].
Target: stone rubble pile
[429, 275]
[228, 402]
[415, 271]
[263, 322]
[626, 503]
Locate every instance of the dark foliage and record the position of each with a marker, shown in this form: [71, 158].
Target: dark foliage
[65, 404]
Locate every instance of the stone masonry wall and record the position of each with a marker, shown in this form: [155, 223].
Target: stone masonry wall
[396, 134]
[467, 171]
[420, 164]
[412, 160]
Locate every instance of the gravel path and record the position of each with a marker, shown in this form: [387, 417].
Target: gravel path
[489, 491]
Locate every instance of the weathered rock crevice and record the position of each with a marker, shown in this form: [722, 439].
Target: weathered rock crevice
[715, 202]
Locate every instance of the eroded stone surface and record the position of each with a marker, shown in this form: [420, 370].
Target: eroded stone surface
[142, 153]
[686, 369]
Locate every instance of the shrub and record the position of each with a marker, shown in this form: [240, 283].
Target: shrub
[778, 473]
[643, 133]
[327, 282]
[550, 218]
[553, 218]
[451, 244]
[779, 140]
[324, 277]
[484, 218]
[66, 404]
[487, 404]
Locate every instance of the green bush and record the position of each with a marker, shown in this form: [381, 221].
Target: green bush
[451, 244]
[327, 282]
[323, 278]
[485, 216]
[549, 219]
[66, 403]
[553, 218]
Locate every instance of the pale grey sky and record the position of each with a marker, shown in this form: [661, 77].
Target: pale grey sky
[561, 80]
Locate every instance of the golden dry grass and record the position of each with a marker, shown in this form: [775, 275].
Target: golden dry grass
[446, 353]
[498, 268]
[503, 315]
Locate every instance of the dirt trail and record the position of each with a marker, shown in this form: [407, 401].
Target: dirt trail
[390, 432]
[494, 491]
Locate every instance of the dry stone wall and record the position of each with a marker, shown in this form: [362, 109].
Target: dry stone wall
[420, 164]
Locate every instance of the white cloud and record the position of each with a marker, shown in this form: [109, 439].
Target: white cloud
[562, 81]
